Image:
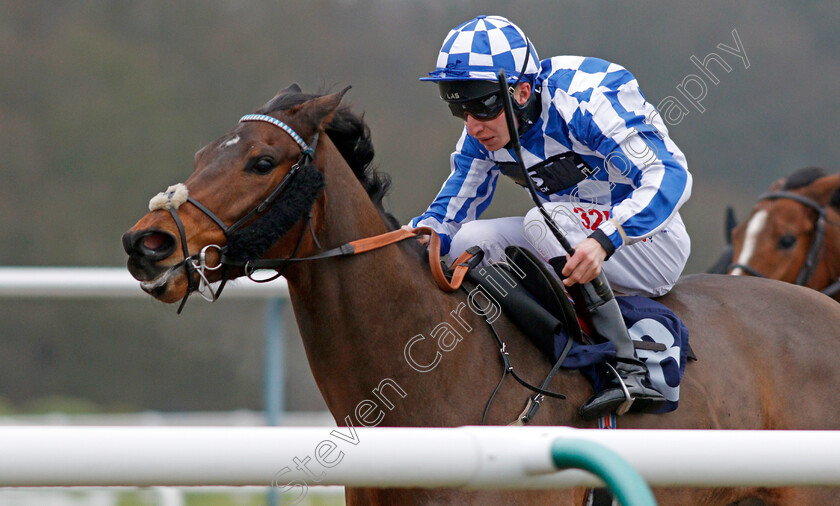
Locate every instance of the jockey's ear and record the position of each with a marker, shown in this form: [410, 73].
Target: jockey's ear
[522, 93]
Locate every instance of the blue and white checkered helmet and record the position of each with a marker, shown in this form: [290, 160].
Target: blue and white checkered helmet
[479, 48]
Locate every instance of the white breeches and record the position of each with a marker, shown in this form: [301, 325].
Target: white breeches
[648, 268]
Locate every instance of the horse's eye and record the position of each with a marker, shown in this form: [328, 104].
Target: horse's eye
[262, 165]
[786, 241]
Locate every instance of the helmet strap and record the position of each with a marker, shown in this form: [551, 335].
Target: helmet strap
[524, 66]
[528, 112]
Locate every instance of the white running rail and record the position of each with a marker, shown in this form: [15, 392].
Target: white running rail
[106, 282]
[464, 457]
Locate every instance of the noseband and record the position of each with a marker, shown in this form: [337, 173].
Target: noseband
[810, 264]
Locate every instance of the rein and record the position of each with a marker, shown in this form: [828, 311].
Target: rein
[371, 243]
[810, 265]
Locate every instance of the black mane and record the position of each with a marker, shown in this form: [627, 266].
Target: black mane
[351, 136]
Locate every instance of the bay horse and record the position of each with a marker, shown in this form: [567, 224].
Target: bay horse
[767, 349]
[793, 233]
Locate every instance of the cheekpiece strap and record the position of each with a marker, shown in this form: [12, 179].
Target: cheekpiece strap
[286, 128]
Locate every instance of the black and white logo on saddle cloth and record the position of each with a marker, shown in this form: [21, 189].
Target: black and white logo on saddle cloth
[551, 175]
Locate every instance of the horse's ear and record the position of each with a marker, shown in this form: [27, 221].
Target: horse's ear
[835, 199]
[825, 191]
[320, 110]
[778, 184]
[729, 225]
[292, 88]
[831, 189]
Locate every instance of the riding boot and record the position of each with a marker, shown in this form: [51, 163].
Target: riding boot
[629, 388]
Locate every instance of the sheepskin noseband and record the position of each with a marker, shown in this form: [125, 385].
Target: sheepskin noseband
[172, 198]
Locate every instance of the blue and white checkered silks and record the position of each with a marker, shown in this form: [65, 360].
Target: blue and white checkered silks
[596, 109]
[481, 47]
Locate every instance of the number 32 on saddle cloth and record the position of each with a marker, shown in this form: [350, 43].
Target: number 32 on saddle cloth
[538, 304]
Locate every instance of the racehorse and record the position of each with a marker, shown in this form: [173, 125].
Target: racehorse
[295, 181]
[793, 233]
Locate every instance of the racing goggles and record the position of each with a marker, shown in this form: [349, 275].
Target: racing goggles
[485, 108]
[480, 99]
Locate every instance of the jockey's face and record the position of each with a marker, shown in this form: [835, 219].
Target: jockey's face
[493, 133]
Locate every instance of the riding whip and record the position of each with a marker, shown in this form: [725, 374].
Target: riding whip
[517, 150]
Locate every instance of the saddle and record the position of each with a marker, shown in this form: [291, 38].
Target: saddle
[537, 302]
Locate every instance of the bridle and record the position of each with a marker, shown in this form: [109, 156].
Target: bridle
[196, 264]
[810, 265]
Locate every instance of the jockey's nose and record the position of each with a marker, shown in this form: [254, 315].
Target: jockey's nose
[474, 126]
[151, 244]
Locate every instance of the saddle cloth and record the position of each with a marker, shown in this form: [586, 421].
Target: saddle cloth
[646, 320]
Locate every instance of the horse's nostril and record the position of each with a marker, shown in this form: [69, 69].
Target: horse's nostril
[127, 243]
[152, 244]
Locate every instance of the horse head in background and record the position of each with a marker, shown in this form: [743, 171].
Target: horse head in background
[793, 233]
[286, 186]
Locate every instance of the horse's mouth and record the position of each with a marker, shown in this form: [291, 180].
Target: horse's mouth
[162, 285]
[157, 286]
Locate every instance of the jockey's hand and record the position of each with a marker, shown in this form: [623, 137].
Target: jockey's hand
[585, 264]
[422, 239]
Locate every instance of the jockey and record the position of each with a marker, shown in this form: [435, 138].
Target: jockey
[604, 168]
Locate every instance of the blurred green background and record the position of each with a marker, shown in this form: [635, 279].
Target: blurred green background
[103, 104]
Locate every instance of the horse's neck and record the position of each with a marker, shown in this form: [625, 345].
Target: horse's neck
[346, 214]
[359, 315]
[349, 309]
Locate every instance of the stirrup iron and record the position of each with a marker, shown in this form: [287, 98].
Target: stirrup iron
[624, 407]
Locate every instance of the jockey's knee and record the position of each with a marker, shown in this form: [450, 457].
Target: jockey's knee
[540, 236]
[487, 234]
[471, 234]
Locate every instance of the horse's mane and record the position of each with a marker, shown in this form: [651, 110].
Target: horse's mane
[351, 135]
[803, 177]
